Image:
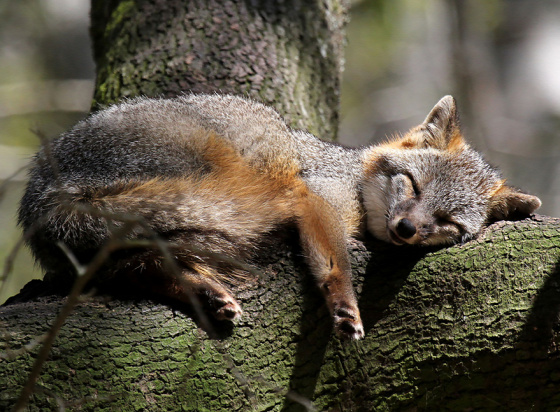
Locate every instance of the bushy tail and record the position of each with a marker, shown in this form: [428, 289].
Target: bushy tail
[225, 211]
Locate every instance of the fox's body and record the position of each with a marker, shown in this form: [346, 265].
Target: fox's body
[214, 175]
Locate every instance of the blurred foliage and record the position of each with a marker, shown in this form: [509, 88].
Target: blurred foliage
[45, 86]
[23, 25]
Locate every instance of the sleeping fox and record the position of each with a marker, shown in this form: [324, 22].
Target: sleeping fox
[213, 175]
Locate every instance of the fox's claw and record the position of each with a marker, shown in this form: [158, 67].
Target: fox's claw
[348, 324]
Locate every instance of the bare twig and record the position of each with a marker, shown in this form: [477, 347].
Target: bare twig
[9, 179]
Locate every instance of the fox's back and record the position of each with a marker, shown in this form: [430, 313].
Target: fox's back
[142, 139]
[147, 138]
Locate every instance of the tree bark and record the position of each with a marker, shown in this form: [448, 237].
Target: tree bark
[288, 54]
[473, 326]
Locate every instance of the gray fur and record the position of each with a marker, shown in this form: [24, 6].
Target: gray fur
[145, 138]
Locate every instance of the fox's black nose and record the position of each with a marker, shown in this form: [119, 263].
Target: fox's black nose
[405, 228]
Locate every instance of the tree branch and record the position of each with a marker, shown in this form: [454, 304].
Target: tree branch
[470, 326]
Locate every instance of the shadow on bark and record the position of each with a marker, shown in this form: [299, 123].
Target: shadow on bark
[380, 271]
[386, 272]
[543, 322]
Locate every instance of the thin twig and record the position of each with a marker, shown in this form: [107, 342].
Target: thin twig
[9, 179]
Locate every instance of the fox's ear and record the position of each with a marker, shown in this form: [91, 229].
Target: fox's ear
[509, 203]
[441, 128]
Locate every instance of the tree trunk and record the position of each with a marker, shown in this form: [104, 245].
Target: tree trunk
[468, 327]
[288, 54]
[471, 326]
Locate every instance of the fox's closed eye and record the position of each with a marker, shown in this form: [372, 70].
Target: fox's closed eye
[413, 184]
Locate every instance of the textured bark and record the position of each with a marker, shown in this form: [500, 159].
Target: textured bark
[474, 326]
[288, 54]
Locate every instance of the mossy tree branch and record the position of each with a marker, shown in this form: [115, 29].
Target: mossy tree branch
[467, 327]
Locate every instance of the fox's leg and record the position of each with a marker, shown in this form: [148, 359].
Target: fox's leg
[221, 304]
[324, 242]
[190, 286]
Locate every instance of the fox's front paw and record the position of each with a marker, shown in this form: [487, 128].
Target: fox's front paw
[225, 307]
[348, 324]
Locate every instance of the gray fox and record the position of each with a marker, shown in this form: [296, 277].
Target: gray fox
[218, 173]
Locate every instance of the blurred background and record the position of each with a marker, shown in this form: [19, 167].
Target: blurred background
[500, 59]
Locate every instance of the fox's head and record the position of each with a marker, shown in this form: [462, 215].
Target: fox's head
[429, 187]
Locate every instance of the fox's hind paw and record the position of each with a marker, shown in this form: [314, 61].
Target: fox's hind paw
[347, 323]
[225, 307]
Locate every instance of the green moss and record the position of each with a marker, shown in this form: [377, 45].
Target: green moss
[124, 10]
